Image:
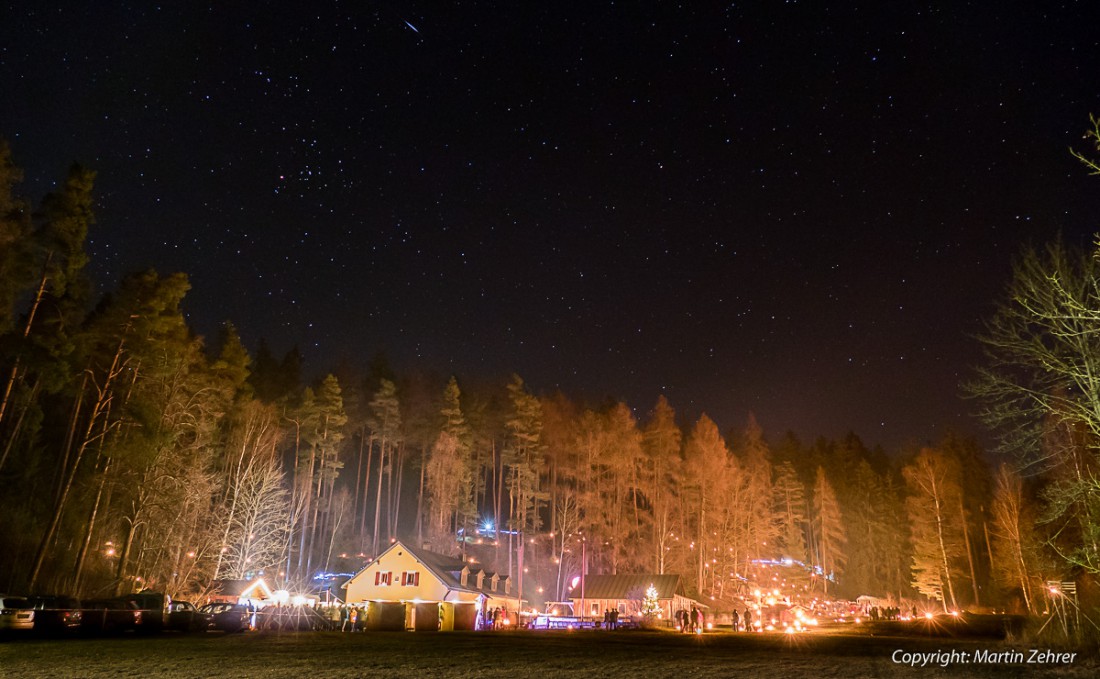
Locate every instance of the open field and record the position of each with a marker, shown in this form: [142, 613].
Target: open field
[310, 655]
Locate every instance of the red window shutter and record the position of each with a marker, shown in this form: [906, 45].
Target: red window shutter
[377, 578]
[416, 579]
[389, 578]
[404, 578]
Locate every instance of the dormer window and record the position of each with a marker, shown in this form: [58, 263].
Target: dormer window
[480, 579]
[464, 576]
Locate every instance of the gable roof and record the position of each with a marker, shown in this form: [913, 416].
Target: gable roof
[629, 586]
[447, 569]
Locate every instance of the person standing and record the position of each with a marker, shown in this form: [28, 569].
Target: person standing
[733, 620]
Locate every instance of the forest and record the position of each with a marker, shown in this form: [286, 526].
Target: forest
[136, 454]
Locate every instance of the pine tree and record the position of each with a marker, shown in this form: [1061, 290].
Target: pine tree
[449, 474]
[790, 507]
[761, 525]
[662, 441]
[385, 423]
[829, 532]
[705, 465]
[522, 461]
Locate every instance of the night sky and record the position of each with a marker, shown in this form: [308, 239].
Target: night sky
[799, 209]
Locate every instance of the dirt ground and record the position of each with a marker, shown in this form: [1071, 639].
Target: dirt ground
[310, 655]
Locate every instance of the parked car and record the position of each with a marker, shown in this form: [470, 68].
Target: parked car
[56, 615]
[184, 617]
[15, 613]
[228, 617]
[109, 616]
[153, 607]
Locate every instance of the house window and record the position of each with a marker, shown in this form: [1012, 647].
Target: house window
[383, 578]
[410, 579]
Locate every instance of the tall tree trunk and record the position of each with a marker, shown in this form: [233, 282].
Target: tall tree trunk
[308, 499]
[366, 494]
[397, 490]
[18, 426]
[124, 555]
[13, 376]
[943, 547]
[969, 552]
[378, 495]
[103, 399]
[78, 571]
[420, 504]
[70, 435]
[358, 475]
[498, 491]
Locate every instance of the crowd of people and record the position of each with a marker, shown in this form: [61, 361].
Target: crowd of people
[689, 622]
[497, 618]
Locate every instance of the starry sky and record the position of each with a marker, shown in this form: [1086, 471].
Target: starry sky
[798, 209]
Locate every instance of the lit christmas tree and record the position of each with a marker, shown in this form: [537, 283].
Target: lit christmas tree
[650, 607]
